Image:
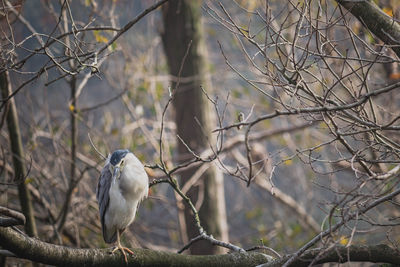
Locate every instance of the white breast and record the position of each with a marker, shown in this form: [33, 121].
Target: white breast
[126, 193]
[134, 182]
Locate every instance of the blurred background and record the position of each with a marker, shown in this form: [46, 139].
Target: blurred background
[277, 180]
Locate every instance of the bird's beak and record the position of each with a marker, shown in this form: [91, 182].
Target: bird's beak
[116, 173]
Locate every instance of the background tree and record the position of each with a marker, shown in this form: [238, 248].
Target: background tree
[193, 117]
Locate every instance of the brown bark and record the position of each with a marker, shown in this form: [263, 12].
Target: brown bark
[18, 156]
[36, 250]
[379, 23]
[182, 44]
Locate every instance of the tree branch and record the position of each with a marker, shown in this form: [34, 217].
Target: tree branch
[39, 251]
[333, 228]
[14, 217]
[18, 156]
[36, 250]
[339, 254]
[131, 23]
[379, 23]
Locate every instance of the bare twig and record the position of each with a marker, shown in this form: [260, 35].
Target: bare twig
[95, 149]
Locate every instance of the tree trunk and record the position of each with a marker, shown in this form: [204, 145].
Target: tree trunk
[182, 44]
[18, 156]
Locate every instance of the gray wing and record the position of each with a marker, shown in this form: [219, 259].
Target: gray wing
[103, 199]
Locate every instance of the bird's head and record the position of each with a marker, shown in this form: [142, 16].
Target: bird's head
[117, 162]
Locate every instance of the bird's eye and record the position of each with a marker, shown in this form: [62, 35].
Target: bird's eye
[122, 162]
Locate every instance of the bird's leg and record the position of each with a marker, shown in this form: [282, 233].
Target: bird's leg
[121, 248]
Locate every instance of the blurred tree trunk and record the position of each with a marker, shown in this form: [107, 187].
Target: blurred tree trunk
[182, 44]
[17, 156]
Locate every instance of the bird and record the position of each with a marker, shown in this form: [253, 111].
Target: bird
[122, 185]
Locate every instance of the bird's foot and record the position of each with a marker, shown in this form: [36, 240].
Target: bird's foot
[123, 249]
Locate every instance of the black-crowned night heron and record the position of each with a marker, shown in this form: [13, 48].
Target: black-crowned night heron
[123, 183]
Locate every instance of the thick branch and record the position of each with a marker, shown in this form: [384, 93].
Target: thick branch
[377, 253]
[333, 228]
[379, 23]
[36, 250]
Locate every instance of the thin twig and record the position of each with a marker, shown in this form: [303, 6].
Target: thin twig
[95, 149]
